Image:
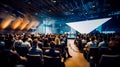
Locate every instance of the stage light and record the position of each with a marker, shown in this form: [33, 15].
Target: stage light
[6, 22]
[24, 23]
[30, 25]
[16, 23]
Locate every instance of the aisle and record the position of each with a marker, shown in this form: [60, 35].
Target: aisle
[77, 59]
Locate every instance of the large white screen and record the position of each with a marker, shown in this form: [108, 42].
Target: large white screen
[87, 26]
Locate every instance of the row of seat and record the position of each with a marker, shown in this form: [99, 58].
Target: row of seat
[34, 61]
[101, 58]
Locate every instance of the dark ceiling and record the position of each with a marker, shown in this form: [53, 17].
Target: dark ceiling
[62, 10]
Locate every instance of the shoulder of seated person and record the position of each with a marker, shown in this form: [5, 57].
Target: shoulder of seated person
[33, 54]
[38, 49]
[47, 50]
[57, 51]
[45, 56]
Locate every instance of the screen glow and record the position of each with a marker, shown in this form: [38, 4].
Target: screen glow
[87, 26]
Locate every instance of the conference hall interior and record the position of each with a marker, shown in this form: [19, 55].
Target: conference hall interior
[59, 33]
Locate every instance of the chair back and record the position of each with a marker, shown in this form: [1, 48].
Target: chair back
[109, 61]
[52, 62]
[34, 60]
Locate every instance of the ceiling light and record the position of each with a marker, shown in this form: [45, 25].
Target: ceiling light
[36, 13]
[86, 13]
[49, 10]
[71, 10]
[54, 1]
[5, 5]
[29, 2]
[93, 6]
[72, 13]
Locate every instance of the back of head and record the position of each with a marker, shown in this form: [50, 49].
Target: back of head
[2, 37]
[93, 38]
[9, 43]
[25, 38]
[114, 45]
[52, 44]
[2, 45]
[35, 42]
[62, 42]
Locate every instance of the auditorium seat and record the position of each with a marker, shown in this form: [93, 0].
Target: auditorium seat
[103, 50]
[22, 51]
[34, 61]
[109, 61]
[93, 56]
[52, 61]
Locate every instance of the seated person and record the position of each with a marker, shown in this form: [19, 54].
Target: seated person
[52, 52]
[35, 50]
[35, 55]
[103, 43]
[10, 56]
[114, 46]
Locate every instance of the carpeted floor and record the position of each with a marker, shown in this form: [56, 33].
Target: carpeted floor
[77, 59]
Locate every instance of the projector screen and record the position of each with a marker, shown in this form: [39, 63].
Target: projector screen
[87, 26]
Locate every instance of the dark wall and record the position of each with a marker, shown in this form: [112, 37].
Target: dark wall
[112, 25]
